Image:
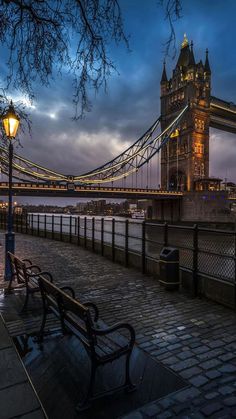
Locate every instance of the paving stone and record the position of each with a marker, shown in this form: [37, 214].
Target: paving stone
[184, 364]
[170, 360]
[212, 395]
[227, 357]
[165, 415]
[150, 410]
[187, 394]
[210, 364]
[158, 352]
[133, 415]
[185, 355]
[210, 354]
[180, 407]
[198, 401]
[200, 349]
[211, 408]
[226, 390]
[216, 343]
[227, 368]
[198, 381]
[190, 372]
[228, 379]
[213, 374]
[174, 347]
[210, 386]
[166, 403]
[231, 401]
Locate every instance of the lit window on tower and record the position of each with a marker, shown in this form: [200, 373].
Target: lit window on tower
[199, 148]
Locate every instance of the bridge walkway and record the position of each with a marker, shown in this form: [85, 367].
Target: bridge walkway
[193, 338]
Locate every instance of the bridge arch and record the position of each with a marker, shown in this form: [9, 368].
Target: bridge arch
[177, 180]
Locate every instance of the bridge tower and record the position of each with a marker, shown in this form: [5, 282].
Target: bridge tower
[185, 158]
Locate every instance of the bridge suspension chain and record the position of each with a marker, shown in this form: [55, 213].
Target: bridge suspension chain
[127, 163]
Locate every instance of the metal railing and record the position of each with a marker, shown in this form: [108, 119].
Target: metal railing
[202, 251]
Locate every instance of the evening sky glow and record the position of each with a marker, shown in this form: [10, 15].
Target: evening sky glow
[132, 103]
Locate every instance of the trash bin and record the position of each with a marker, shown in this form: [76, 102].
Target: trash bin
[169, 268]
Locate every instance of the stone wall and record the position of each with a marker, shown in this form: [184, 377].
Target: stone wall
[210, 206]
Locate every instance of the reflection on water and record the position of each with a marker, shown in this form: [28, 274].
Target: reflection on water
[216, 250]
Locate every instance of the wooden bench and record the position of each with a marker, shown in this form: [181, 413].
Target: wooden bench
[26, 275]
[102, 344]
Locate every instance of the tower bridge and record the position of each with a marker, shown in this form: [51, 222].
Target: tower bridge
[178, 140]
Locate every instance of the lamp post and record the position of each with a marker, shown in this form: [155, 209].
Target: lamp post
[11, 123]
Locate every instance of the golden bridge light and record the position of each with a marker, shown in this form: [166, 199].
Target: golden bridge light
[174, 134]
[11, 122]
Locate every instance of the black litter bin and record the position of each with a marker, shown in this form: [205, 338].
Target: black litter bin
[169, 268]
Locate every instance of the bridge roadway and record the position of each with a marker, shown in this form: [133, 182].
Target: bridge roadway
[43, 189]
[223, 115]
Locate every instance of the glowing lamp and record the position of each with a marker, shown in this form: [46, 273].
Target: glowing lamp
[10, 122]
[174, 134]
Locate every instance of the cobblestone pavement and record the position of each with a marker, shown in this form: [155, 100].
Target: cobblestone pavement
[193, 337]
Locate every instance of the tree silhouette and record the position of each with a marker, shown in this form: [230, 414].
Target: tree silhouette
[45, 36]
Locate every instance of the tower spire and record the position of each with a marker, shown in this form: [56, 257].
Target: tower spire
[185, 42]
[191, 58]
[164, 76]
[207, 65]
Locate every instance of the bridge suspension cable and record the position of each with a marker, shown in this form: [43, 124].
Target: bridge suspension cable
[127, 163]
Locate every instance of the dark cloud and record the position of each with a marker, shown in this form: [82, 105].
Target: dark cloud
[131, 104]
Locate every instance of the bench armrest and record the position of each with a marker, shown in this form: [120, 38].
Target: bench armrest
[70, 289]
[115, 327]
[27, 260]
[94, 307]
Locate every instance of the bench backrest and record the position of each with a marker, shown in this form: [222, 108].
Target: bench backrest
[73, 314]
[18, 268]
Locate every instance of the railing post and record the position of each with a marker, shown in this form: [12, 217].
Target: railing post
[70, 229]
[235, 265]
[52, 226]
[85, 232]
[195, 259]
[26, 223]
[38, 225]
[165, 234]
[127, 242]
[78, 232]
[32, 223]
[93, 234]
[75, 227]
[45, 225]
[143, 247]
[113, 239]
[16, 222]
[61, 221]
[21, 222]
[102, 236]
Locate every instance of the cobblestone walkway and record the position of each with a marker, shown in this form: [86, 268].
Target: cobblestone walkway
[193, 337]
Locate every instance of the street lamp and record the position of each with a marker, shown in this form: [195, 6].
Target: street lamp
[11, 123]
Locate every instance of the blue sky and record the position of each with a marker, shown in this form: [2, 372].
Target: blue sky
[131, 104]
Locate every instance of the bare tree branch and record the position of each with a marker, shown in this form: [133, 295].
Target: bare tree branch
[172, 10]
[47, 35]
